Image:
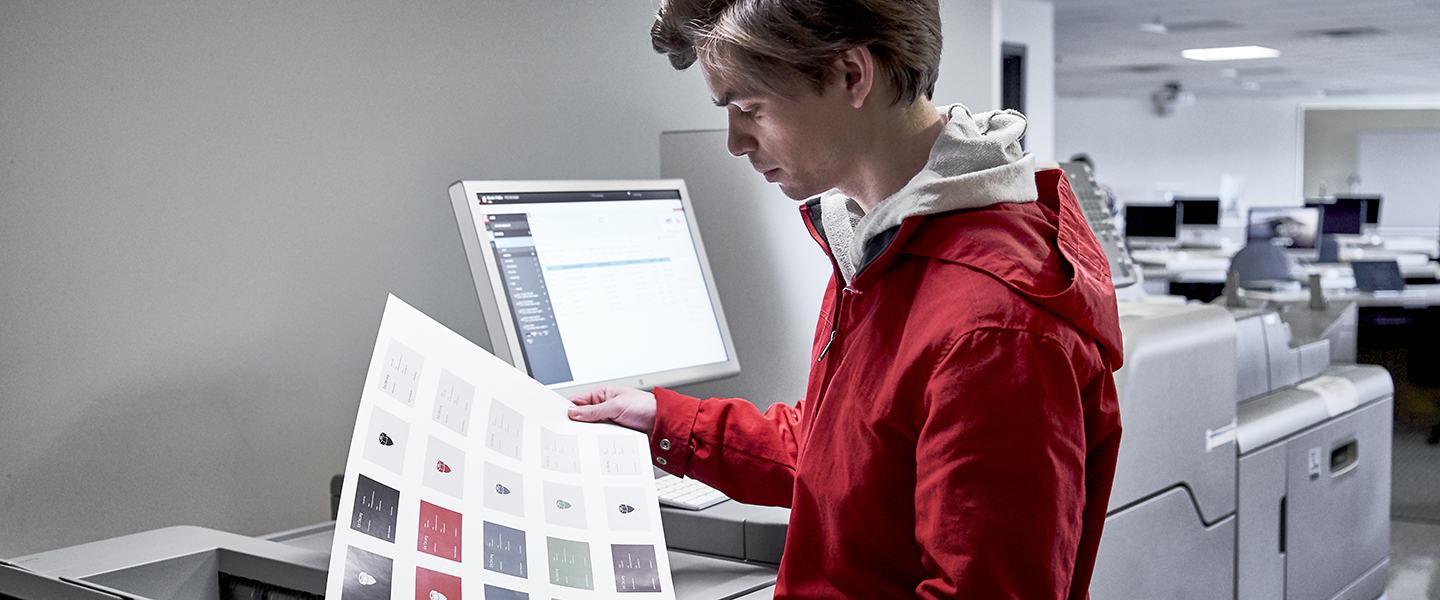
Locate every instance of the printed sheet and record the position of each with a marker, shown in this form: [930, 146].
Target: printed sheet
[466, 480]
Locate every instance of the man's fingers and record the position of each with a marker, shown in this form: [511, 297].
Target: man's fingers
[596, 395]
[591, 413]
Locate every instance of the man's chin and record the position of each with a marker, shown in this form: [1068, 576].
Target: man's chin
[795, 192]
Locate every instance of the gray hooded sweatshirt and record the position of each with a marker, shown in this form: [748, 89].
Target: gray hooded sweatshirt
[976, 161]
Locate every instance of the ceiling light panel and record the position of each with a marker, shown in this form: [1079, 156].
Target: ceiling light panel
[1230, 53]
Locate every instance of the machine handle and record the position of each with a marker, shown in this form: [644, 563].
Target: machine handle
[1344, 458]
[1282, 524]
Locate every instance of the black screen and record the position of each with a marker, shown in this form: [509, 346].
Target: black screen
[1345, 216]
[1151, 221]
[1372, 205]
[1199, 211]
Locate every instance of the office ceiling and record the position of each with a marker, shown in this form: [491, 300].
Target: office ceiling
[1332, 48]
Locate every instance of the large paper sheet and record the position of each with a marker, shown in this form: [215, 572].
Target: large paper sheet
[467, 480]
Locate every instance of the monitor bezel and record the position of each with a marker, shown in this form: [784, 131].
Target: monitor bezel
[495, 304]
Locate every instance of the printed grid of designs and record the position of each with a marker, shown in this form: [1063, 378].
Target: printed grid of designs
[497, 515]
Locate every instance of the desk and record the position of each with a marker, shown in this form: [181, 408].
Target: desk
[1199, 273]
[1195, 273]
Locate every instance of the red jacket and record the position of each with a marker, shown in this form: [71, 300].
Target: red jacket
[959, 429]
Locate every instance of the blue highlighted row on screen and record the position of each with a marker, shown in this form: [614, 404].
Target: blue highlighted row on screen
[613, 263]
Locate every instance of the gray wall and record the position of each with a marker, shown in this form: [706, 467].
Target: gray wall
[1332, 140]
[205, 204]
[1032, 24]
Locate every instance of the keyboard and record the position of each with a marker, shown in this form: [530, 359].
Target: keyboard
[686, 493]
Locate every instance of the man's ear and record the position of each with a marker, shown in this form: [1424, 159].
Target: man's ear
[855, 72]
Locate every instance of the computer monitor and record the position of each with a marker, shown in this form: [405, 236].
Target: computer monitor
[1147, 224]
[1296, 227]
[1372, 205]
[1343, 216]
[1199, 211]
[583, 283]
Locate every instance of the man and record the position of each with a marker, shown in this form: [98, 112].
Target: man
[960, 425]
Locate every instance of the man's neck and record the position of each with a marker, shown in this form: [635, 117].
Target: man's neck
[896, 148]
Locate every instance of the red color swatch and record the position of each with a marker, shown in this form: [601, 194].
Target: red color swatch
[439, 532]
[434, 585]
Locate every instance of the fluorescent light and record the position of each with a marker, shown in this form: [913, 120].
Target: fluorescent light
[1232, 53]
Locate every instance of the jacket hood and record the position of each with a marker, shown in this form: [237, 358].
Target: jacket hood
[1044, 251]
[976, 161]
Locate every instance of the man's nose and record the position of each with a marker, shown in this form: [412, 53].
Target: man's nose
[739, 142]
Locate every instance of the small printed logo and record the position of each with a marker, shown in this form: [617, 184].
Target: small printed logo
[385, 440]
[441, 466]
[626, 509]
[562, 504]
[502, 490]
[366, 579]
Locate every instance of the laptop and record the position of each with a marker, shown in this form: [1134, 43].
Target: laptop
[1378, 276]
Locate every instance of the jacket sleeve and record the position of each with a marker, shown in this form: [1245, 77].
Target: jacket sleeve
[728, 444]
[1000, 469]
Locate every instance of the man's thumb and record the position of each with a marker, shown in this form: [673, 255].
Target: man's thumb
[592, 413]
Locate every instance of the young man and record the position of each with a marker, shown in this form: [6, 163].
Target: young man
[960, 425]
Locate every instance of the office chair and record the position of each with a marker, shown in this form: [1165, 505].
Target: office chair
[1261, 264]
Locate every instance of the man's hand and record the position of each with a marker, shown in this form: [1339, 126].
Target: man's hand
[619, 405]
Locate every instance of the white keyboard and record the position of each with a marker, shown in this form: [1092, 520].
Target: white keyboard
[686, 493]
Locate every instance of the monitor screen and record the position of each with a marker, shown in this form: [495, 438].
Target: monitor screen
[585, 283]
[1152, 221]
[1344, 216]
[1372, 205]
[1199, 211]
[1285, 226]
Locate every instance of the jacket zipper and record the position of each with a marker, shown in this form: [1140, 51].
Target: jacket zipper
[829, 365]
[833, 329]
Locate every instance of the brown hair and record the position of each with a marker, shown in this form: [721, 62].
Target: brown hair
[779, 44]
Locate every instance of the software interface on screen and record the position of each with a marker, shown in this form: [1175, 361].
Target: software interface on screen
[600, 284]
[1142, 221]
[1199, 211]
[1288, 226]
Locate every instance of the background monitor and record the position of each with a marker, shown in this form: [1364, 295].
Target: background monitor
[1285, 226]
[584, 283]
[1151, 221]
[1372, 205]
[1344, 216]
[1199, 211]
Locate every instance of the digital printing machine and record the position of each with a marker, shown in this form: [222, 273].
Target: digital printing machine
[1255, 463]
[196, 563]
[1255, 459]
